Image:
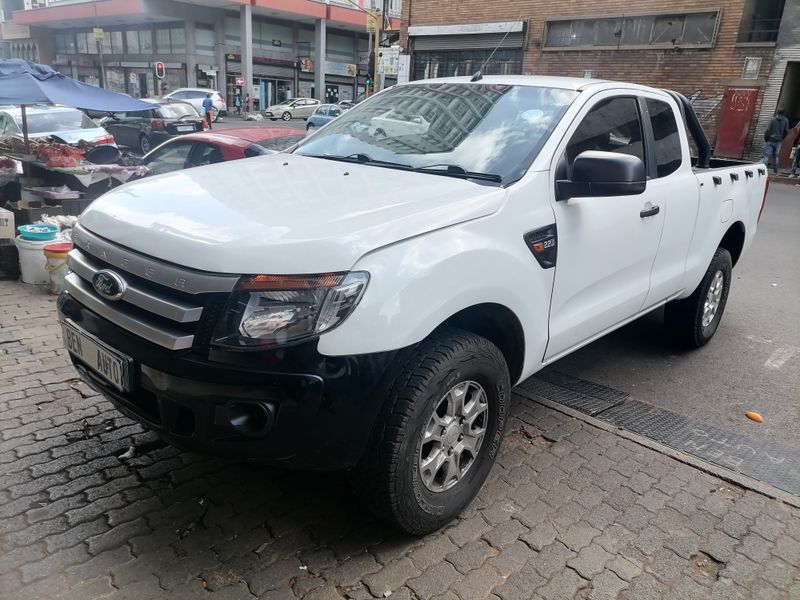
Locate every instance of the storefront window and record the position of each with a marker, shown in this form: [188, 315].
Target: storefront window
[82, 47]
[115, 80]
[132, 41]
[107, 42]
[116, 43]
[178, 39]
[65, 42]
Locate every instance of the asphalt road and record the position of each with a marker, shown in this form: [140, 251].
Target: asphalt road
[753, 362]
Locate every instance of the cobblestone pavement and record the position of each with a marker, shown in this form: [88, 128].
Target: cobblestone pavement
[569, 511]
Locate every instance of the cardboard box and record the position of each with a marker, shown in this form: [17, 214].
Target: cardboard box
[8, 230]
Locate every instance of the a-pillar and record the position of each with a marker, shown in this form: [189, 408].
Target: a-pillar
[320, 53]
[247, 50]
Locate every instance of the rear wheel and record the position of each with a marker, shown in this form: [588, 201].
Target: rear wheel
[286, 116]
[438, 434]
[144, 145]
[693, 321]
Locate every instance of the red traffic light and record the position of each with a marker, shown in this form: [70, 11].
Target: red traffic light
[160, 70]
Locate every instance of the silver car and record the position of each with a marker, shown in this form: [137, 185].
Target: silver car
[292, 108]
[69, 125]
[195, 97]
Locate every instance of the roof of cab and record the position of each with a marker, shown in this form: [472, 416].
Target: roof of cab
[565, 83]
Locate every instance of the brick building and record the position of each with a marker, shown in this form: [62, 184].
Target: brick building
[718, 53]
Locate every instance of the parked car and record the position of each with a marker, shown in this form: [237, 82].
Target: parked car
[198, 149]
[324, 113]
[367, 303]
[65, 123]
[195, 97]
[146, 129]
[394, 123]
[293, 108]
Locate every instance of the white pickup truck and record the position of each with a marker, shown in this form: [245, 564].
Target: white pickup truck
[366, 302]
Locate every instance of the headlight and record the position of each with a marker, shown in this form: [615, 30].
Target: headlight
[272, 310]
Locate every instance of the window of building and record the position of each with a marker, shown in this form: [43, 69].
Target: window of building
[162, 41]
[667, 147]
[65, 42]
[690, 29]
[170, 40]
[761, 20]
[145, 41]
[612, 125]
[449, 63]
[132, 42]
[233, 32]
[204, 40]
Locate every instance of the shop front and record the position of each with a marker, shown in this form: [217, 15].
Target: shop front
[274, 76]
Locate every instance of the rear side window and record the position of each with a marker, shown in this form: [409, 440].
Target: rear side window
[667, 146]
[612, 125]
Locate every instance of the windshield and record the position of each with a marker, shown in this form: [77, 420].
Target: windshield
[62, 120]
[471, 128]
[175, 111]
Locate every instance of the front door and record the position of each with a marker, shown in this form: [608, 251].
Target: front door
[738, 106]
[606, 246]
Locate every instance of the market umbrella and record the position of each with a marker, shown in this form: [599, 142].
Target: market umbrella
[23, 82]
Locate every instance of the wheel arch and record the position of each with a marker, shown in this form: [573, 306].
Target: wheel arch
[733, 241]
[499, 325]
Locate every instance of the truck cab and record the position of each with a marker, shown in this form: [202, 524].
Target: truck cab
[366, 300]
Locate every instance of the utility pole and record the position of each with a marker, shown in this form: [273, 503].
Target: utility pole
[378, 31]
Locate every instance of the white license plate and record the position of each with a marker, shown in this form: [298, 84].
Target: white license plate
[185, 128]
[105, 362]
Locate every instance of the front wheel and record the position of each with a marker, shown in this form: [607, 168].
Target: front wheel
[438, 434]
[287, 116]
[693, 321]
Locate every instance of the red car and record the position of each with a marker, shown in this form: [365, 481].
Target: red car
[198, 149]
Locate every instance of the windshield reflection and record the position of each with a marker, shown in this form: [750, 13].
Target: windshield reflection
[481, 128]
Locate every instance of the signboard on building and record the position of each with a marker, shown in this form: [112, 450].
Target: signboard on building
[466, 28]
[98, 34]
[372, 22]
[388, 60]
[752, 65]
[307, 65]
[343, 69]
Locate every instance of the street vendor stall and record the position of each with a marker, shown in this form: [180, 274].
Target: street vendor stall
[53, 170]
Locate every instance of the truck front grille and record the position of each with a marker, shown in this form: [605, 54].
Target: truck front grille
[161, 302]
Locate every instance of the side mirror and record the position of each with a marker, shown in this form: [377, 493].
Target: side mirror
[598, 174]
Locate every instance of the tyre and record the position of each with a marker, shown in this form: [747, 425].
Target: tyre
[309, 127]
[693, 321]
[437, 436]
[144, 145]
[286, 116]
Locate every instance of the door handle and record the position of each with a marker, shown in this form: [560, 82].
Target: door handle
[649, 212]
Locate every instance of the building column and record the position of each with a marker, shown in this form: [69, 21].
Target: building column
[247, 50]
[219, 51]
[320, 54]
[191, 58]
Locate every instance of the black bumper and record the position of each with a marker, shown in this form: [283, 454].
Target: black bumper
[310, 411]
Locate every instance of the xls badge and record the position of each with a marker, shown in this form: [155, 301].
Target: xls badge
[108, 284]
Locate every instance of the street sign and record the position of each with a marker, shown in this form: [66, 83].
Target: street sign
[98, 34]
[389, 59]
[372, 22]
[240, 81]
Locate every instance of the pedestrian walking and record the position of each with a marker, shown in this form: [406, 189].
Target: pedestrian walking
[248, 105]
[208, 107]
[777, 130]
[237, 102]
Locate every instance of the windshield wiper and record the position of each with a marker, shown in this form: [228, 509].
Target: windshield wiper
[457, 171]
[362, 159]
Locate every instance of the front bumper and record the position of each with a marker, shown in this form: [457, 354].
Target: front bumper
[312, 411]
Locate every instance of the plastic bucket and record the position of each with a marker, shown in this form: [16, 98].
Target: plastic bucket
[56, 264]
[32, 260]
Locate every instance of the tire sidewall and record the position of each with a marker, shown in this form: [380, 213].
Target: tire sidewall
[721, 262]
[420, 504]
[286, 116]
[144, 145]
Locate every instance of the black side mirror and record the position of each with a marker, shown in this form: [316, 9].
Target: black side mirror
[598, 174]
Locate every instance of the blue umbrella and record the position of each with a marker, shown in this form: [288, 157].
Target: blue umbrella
[23, 82]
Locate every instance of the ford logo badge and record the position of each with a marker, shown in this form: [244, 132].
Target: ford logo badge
[108, 284]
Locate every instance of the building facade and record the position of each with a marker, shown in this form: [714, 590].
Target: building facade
[719, 54]
[283, 48]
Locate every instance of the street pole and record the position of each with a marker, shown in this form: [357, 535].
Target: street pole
[102, 66]
[378, 30]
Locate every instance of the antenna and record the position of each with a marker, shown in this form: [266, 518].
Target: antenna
[479, 73]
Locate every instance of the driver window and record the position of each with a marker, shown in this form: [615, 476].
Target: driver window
[612, 125]
[170, 157]
[205, 154]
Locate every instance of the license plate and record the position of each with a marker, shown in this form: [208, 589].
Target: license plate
[102, 360]
[185, 128]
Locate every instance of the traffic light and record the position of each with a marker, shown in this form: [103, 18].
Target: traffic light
[160, 70]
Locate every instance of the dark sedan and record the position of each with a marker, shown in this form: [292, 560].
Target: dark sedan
[143, 130]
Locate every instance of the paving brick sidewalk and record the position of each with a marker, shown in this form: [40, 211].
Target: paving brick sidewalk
[569, 511]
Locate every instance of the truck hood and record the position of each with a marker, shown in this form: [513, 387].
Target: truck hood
[282, 214]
